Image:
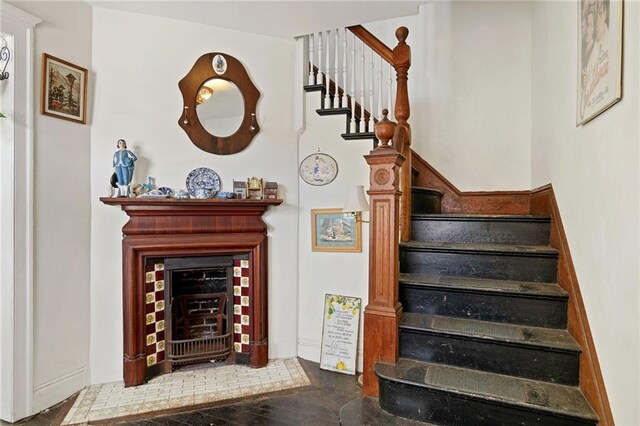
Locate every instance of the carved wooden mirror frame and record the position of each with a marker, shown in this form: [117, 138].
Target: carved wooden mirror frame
[201, 72]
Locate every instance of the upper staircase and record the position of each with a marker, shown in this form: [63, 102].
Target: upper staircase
[465, 323]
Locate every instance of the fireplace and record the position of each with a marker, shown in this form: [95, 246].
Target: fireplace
[166, 246]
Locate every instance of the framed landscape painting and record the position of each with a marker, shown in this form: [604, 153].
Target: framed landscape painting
[64, 89]
[599, 57]
[334, 230]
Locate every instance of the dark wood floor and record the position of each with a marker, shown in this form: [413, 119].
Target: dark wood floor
[318, 405]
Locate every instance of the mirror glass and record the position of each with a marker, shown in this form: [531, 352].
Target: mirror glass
[220, 107]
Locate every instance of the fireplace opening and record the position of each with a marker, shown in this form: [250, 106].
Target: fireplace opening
[199, 309]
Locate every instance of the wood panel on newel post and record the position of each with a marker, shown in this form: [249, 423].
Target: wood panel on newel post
[383, 311]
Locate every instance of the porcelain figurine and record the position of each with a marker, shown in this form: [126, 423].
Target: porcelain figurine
[123, 160]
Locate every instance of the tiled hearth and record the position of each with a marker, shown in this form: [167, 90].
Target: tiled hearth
[185, 388]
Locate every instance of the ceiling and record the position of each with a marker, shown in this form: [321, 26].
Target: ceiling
[281, 19]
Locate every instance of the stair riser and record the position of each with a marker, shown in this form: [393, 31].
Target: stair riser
[493, 266]
[426, 202]
[441, 407]
[513, 309]
[480, 231]
[530, 362]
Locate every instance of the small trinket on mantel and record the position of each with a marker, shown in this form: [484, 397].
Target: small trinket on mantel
[271, 190]
[240, 189]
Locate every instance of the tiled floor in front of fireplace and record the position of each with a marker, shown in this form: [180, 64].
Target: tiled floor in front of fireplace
[184, 388]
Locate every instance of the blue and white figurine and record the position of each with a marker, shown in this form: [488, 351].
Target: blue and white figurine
[123, 160]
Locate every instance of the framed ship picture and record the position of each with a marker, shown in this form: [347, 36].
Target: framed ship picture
[335, 230]
[64, 89]
[599, 57]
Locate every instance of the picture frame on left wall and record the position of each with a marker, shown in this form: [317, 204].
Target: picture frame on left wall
[64, 89]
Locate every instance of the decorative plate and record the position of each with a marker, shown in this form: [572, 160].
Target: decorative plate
[219, 64]
[202, 178]
[318, 169]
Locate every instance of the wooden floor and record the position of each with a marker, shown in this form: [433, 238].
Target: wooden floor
[319, 405]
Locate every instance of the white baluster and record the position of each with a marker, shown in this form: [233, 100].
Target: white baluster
[336, 70]
[361, 128]
[319, 77]
[390, 93]
[311, 49]
[352, 125]
[343, 102]
[327, 71]
[380, 89]
[371, 78]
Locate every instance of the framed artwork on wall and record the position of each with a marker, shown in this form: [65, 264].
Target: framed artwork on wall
[64, 90]
[318, 169]
[333, 230]
[599, 57]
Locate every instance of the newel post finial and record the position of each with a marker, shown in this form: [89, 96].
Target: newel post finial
[401, 34]
[384, 130]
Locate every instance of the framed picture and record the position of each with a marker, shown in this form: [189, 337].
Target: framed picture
[318, 169]
[340, 333]
[599, 57]
[64, 89]
[335, 230]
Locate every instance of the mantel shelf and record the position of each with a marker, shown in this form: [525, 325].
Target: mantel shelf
[212, 203]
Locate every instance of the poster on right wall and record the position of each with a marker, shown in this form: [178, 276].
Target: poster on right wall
[599, 57]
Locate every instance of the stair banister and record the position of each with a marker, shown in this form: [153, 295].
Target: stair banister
[400, 59]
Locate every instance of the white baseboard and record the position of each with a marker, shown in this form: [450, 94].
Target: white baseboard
[310, 350]
[57, 390]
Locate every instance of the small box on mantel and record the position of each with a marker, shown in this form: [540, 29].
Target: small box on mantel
[271, 190]
[240, 189]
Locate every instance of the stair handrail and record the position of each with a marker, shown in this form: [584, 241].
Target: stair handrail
[373, 42]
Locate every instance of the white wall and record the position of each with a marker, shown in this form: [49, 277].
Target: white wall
[138, 61]
[61, 217]
[321, 272]
[594, 170]
[470, 90]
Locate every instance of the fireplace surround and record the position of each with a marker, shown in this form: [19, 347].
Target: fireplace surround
[169, 228]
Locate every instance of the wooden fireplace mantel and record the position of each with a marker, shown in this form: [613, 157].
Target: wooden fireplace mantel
[175, 228]
[170, 216]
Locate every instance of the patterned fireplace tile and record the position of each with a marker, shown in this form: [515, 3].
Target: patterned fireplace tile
[183, 389]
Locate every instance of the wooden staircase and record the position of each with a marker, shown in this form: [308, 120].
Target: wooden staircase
[465, 323]
[483, 336]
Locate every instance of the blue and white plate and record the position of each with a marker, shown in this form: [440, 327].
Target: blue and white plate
[202, 178]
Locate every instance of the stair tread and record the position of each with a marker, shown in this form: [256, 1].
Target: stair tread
[485, 285]
[521, 335]
[333, 111]
[487, 248]
[480, 217]
[526, 393]
[359, 135]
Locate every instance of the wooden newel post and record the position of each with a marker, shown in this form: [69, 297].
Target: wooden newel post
[402, 138]
[383, 312]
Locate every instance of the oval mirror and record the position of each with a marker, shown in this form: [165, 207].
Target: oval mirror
[219, 103]
[220, 107]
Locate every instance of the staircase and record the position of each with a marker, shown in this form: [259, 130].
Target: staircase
[483, 337]
[481, 323]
